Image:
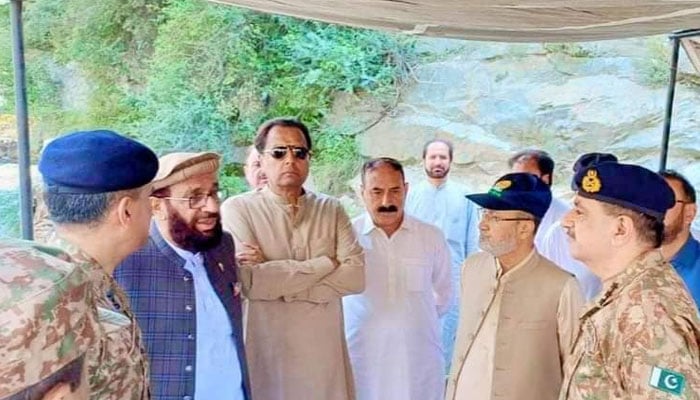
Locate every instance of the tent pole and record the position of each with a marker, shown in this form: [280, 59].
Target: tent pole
[669, 103]
[25, 183]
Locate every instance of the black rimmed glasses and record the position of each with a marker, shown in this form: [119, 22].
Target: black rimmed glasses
[488, 216]
[195, 202]
[280, 152]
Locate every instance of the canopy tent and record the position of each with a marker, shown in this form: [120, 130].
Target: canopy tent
[494, 20]
[497, 20]
[692, 48]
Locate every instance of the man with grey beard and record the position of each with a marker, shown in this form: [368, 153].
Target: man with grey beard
[183, 287]
[518, 311]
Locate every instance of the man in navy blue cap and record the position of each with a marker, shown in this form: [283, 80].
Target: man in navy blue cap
[96, 190]
[640, 339]
[551, 240]
[518, 310]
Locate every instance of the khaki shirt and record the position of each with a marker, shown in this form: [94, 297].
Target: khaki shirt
[639, 340]
[117, 366]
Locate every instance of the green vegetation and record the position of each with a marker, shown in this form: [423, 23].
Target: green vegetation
[9, 214]
[574, 50]
[654, 68]
[190, 75]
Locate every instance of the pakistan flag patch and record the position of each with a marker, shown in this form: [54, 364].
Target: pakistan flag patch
[667, 380]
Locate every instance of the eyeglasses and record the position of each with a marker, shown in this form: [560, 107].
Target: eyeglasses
[280, 152]
[196, 201]
[486, 216]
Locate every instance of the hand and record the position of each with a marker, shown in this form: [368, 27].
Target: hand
[250, 255]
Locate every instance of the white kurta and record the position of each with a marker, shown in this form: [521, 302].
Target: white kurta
[392, 328]
[446, 207]
[552, 243]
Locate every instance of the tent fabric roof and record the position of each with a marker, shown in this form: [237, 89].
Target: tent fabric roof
[497, 20]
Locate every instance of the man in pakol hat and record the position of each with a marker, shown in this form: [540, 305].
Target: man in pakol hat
[183, 289]
[640, 338]
[46, 324]
[96, 188]
[518, 312]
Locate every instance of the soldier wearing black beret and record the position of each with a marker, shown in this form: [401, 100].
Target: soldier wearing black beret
[97, 189]
[640, 338]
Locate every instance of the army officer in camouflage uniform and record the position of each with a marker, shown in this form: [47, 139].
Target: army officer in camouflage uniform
[97, 188]
[639, 338]
[45, 324]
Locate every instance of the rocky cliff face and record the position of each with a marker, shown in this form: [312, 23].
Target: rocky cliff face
[494, 99]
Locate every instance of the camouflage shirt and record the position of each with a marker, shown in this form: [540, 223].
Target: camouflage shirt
[117, 366]
[45, 319]
[638, 340]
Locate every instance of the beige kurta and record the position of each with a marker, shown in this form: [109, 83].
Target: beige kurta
[514, 330]
[295, 340]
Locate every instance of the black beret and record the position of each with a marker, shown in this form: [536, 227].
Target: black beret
[626, 185]
[97, 161]
[589, 159]
[516, 191]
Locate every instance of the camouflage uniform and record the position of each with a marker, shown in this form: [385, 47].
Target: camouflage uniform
[639, 340]
[45, 318]
[117, 366]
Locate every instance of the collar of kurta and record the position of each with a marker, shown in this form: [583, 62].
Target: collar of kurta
[515, 271]
[368, 225]
[267, 192]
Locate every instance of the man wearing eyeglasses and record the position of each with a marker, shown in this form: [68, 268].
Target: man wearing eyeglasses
[679, 246]
[518, 311]
[297, 257]
[183, 287]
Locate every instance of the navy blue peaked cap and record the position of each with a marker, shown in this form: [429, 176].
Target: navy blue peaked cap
[96, 161]
[630, 186]
[589, 159]
[516, 191]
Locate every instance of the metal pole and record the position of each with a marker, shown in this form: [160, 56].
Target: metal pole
[669, 104]
[25, 180]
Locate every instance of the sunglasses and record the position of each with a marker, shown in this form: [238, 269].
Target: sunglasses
[280, 152]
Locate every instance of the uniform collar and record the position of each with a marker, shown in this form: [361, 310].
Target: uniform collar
[613, 286]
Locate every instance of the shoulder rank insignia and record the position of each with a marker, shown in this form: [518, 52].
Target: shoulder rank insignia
[591, 183]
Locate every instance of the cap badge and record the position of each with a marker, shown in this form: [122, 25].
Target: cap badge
[591, 183]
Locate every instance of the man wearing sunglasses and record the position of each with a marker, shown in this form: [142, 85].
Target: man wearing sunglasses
[182, 286]
[679, 247]
[518, 311]
[297, 257]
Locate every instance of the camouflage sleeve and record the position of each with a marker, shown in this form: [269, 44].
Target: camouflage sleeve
[661, 359]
